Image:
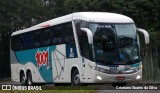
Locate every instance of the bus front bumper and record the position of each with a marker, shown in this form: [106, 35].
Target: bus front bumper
[99, 77]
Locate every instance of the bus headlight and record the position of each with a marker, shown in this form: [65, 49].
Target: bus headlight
[100, 69]
[138, 77]
[99, 78]
[141, 66]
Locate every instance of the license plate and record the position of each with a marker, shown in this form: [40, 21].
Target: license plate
[120, 78]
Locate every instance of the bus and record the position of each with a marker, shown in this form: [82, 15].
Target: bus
[78, 48]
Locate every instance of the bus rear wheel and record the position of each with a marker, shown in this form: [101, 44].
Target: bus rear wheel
[22, 78]
[75, 78]
[29, 79]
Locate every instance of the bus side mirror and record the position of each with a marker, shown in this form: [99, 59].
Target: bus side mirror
[89, 34]
[146, 35]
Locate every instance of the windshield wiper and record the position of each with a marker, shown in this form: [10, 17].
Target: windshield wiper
[133, 60]
[103, 61]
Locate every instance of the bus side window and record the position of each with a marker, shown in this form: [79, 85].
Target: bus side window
[37, 35]
[45, 37]
[57, 34]
[30, 41]
[21, 39]
[69, 33]
[17, 45]
[83, 40]
[84, 45]
[27, 41]
[51, 36]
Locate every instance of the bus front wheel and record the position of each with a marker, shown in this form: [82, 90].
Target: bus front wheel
[75, 78]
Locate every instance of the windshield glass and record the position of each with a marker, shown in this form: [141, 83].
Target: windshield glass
[115, 43]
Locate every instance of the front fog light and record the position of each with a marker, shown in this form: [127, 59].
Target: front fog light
[138, 77]
[99, 78]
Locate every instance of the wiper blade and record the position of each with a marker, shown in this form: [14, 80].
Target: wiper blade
[133, 61]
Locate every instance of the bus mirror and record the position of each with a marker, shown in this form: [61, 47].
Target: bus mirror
[146, 35]
[89, 34]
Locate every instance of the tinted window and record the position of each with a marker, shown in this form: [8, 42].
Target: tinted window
[85, 48]
[55, 35]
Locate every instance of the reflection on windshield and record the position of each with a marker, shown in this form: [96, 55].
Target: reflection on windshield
[114, 42]
[128, 47]
[104, 38]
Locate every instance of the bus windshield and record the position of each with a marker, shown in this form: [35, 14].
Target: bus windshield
[115, 43]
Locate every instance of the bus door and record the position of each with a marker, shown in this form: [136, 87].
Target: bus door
[86, 53]
[86, 70]
[85, 50]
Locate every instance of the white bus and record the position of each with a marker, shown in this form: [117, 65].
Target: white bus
[79, 48]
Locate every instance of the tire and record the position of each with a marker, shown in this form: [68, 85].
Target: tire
[118, 84]
[75, 80]
[22, 79]
[29, 79]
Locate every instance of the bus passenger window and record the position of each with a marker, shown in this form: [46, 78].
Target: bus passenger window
[21, 39]
[37, 38]
[69, 33]
[45, 37]
[57, 35]
[51, 37]
[27, 43]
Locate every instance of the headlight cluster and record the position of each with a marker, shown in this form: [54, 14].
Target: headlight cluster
[115, 71]
[100, 69]
[133, 70]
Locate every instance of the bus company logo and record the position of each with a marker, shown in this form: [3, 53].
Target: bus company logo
[42, 58]
[113, 68]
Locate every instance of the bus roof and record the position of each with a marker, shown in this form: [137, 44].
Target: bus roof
[103, 17]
